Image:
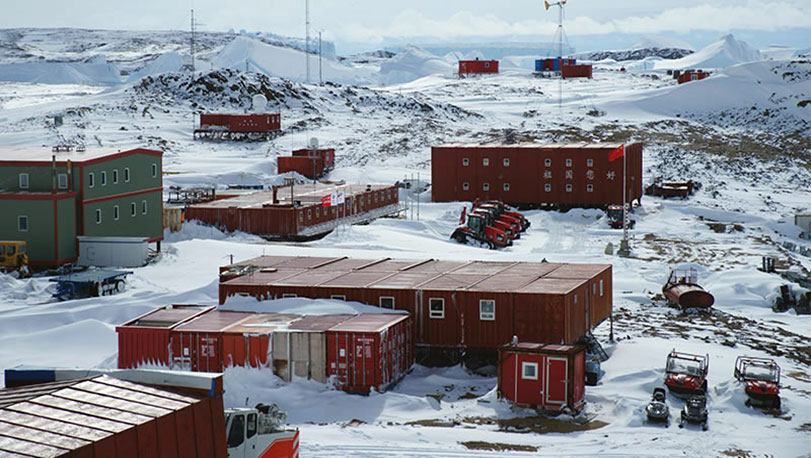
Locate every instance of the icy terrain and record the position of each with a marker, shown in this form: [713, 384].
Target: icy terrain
[743, 133]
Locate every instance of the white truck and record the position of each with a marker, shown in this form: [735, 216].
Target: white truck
[258, 433]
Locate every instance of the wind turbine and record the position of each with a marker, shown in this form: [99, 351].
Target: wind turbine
[559, 34]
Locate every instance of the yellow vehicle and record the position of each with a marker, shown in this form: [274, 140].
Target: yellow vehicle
[13, 256]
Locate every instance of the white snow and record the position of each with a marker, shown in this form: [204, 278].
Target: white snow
[725, 52]
[384, 134]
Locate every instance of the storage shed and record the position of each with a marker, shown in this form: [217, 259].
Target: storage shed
[477, 67]
[692, 75]
[159, 415]
[460, 306]
[113, 251]
[545, 377]
[561, 175]
[298, 212]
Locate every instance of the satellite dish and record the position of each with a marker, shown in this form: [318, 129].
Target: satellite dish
[259, 103]
[313, 143]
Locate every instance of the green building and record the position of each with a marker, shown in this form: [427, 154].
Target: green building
[49, 197]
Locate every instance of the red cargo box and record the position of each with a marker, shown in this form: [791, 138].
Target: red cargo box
[547, 377]
[575, 71]
[370, 351]
[691, 75]
[477, 66]
[198, 345]
[146, 340]
[310, 166]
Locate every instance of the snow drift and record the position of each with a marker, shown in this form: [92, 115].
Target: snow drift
[723, 53]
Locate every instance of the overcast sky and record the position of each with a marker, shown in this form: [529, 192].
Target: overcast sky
[375, 23]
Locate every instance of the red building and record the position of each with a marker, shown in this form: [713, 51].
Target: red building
[298, 211]
[229, 126]
[576, 71]
[472, 306]
[529, 174]
[692, 75]
[477, 67]
[308, 162]
[546, 377]
[358, 353]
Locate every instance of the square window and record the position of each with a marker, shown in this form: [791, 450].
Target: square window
[154, 170]
[126, 175]
[62, 180]
[589, 162]
[339, 297]
[465, 186]
[115, 212]
[547, 187]
[386, 302]
[568, 162]
[22, 223]
[104, 178]
[91, 180]
[529, 371]
[568, 188]
[485, 161]
[143, 207]
[589, 188]
[115, 176]
[485, 186]
[506, 186]
[506, 162]
[133, 209]
[98, 216]
[547, 162]
[465, 162]
[436, 308]
[487, 310]
[23, 181]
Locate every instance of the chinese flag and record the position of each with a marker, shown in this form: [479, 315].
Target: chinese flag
[326, 201]
[615, 154]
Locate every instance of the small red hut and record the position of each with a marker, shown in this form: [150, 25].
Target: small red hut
[477, 67]
[692, 75]
[545, 377]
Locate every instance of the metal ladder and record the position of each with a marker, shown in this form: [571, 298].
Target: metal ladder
[593, 346]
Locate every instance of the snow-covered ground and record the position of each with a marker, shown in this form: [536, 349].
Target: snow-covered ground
[753, 163]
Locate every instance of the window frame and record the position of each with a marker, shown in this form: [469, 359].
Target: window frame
[338, 297]
[441, 313]
[506, 187]
[547, 162]
[485, 186]
[154, 170]
[133, 209]
[485, 162]
[568, 162]
[465, 186]
[126, 174]
[589, 187]
[59, 182]
[380, 302]
[589, 162]
[547, 187]
[24, 180]
[289, 295]
[465, 162]
[489, 316]
[115, 212]
[98, 216]
[20, 219]
[143, 207]
[568, 187]
[103, 178]
[115, 176]
[526, 365]
[506, 162]
[91, 180]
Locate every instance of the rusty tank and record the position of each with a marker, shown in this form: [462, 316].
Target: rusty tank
[683, 290]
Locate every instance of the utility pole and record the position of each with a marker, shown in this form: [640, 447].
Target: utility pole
[320, 75]
[307, 36]
[191, 44]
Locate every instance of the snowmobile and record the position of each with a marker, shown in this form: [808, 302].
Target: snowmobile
[762, 379]
[657, 409]
[695, 411]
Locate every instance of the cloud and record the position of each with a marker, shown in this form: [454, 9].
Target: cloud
[413, 24]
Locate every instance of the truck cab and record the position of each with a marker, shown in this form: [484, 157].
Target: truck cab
[258, 432]
[13, 256]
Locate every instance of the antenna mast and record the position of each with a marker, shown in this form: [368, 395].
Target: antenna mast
[191, 44]
[307, 36]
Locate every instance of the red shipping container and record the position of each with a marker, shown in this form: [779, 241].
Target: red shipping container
[576, 71]
[546, 377]
[145, 340]
[311, 167]
[371, 351]
[468, 67]
[263, 122]
[198, 345]
[327, 154]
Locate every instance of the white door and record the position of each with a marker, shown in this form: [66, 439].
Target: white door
[556, 380]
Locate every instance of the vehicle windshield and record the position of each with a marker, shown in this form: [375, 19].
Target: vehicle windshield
[683, 366]
[474, 223]
[763, 373]
[614, 212]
